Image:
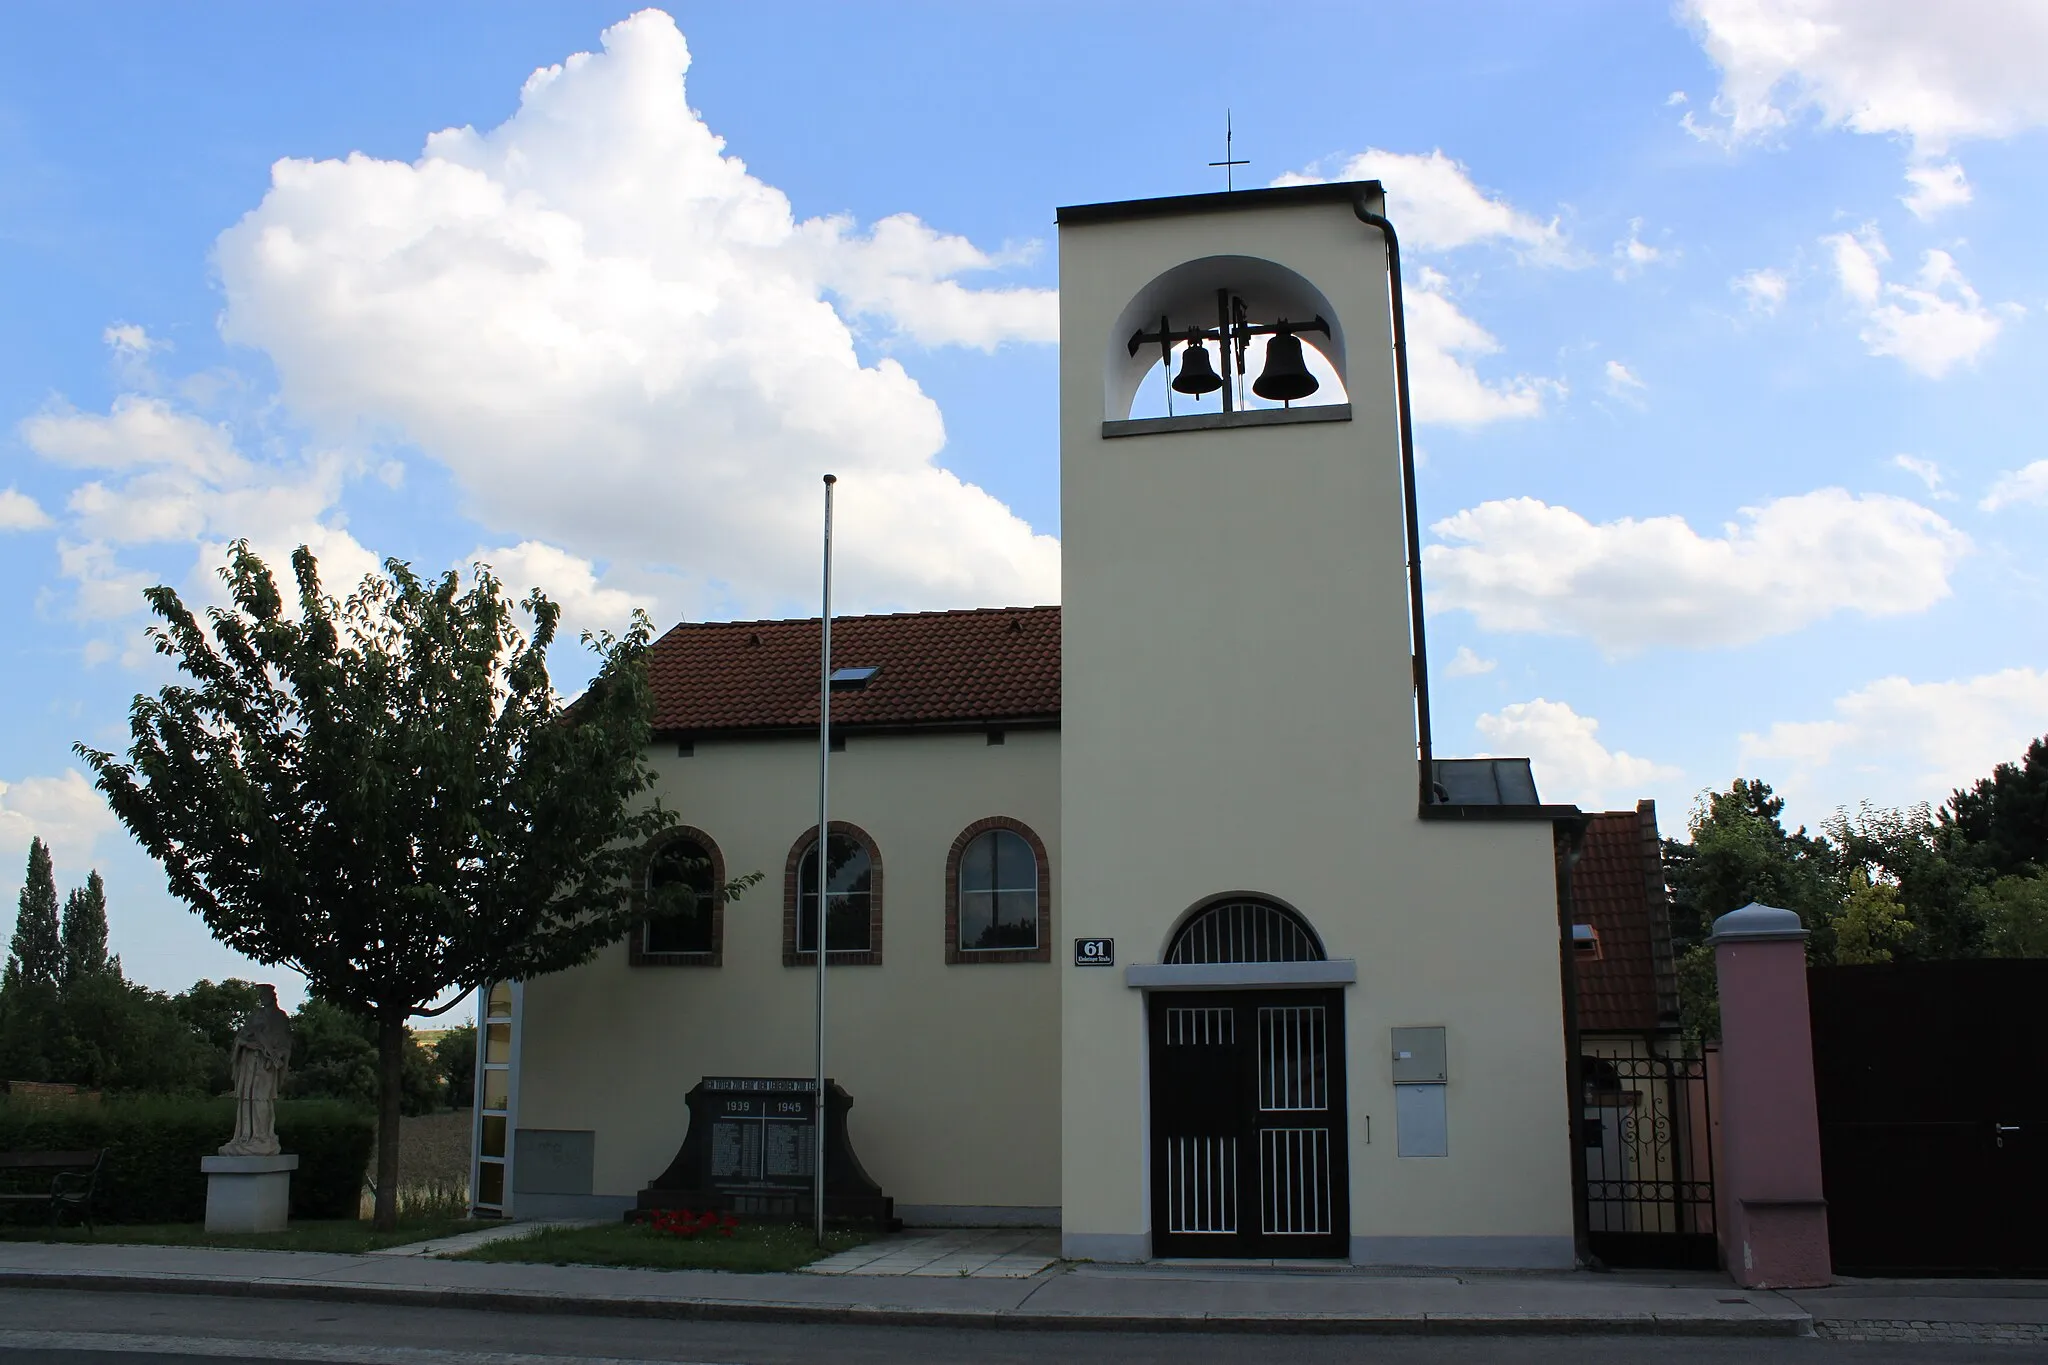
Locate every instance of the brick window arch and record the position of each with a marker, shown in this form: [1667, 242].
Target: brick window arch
[795, 894]
[991, 840]
[686, 944]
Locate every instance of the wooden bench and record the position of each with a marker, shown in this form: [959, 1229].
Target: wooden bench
[67, 1179]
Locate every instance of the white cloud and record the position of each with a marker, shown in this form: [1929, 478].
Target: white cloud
[1932, 325]
[1927, 471]
[129, 341]
[1523, 565]
[570, 581]
[1466, 664]
[1435, 205]
[66, 812]
[1936, 188]
[1765, 289]
[1622, 381]
[1930, 73]
[1632, 255]
[1442, 340]
[20, 512]
[137, 431]
[1897, 741]
[1565, 752]
[2026, 484]
[619, 342]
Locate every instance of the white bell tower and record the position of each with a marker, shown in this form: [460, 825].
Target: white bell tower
[1241, 719]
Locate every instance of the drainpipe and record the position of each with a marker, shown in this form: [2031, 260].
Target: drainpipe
[1426, 783]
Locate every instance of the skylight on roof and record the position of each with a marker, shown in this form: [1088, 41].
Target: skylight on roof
[852, 679]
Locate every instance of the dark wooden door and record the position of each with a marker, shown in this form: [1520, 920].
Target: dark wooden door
[1932, 1083]
[1248, 1134]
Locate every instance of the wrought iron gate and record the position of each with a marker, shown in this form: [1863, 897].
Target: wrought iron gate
[1647, 1139]
[1248, 1143]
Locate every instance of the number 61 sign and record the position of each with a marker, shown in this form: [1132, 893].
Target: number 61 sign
[1094, 952]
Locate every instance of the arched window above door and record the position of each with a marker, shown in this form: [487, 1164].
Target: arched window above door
[1244, 929]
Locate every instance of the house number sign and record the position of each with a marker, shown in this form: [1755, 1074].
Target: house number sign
[1094, 952]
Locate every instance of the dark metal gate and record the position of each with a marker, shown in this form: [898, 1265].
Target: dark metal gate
[1248, 1140]
[1646, 1133]
[1932, 1084]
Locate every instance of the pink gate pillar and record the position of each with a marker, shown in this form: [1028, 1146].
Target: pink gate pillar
[1775, 1232]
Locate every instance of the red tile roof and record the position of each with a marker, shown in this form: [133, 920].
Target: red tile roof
[1618, 888]
[938, 667]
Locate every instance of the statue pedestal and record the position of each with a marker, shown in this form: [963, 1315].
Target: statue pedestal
[248, 1193]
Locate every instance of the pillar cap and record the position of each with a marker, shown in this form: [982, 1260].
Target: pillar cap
[1755, 923]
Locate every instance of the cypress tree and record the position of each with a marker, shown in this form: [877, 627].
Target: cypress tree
[85, 931]
[37, 952]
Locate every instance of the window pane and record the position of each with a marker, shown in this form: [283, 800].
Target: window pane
[490, 1184]
[498, 1043]
[848, 874]
[494, 1135]
[1016, 868]
[978, 864]
[680, 895]
[496, 1088]
[998, 919]
[501, 1001]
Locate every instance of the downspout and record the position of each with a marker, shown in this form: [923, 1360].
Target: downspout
[1570, 843]
[1426, 778]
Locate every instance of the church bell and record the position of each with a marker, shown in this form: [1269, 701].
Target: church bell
[1196, 375]
[1286, 376]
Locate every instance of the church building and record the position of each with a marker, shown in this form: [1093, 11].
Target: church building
[1151, 916]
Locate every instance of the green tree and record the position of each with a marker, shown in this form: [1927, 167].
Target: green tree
[2001, 821]
[37, 952]
[2015, 915]
[387, 795]
[215, 1012]
[1912, 853]
[334, 1056]
[455, 1056]
[1872, 922]
[84, 934]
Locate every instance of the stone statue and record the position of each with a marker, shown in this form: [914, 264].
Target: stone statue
[262, 1051]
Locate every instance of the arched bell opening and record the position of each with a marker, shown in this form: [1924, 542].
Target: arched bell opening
[1224, 333]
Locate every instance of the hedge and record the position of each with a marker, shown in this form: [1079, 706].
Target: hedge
[153, 1147]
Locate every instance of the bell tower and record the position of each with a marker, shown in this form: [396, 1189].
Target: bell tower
[1242, 724]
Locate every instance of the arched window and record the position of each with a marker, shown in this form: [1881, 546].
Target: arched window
[1243, 929]
[853, 898]
[693, 936]
[998, 903]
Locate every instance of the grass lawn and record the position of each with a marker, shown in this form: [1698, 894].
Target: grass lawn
[752, 1247]
[338, 1234]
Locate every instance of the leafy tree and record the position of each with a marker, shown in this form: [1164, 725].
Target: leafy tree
[37, 952]
[215, 1013]
[334, 1057]
[2015, 913]
[1871, 923]
[455, 1056]
[84, 934]
[2001, 821]
[115, 1035]
[387, 795]
[1740, 853]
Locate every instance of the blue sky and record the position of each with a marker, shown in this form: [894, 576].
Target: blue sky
[1728, 320]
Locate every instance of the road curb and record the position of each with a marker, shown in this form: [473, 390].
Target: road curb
[740, 1310]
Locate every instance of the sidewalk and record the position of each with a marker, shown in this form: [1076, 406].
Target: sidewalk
[1082, 1297]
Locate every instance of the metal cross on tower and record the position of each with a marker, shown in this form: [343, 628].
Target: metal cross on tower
[1227, 162]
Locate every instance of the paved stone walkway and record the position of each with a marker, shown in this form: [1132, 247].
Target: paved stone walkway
[966, 1253]
[463, 1241]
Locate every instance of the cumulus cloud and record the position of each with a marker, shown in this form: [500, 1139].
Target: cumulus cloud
[1632, 255]
[1466, 664]
[1932, 74]
[1442, 343]
[1523, 565]
[1764, 289]
[1434, 202]
[623, 344]
[1931, 325]
[1927, 471]
[20, 512]
[66, 812]
[1897, 741]
[1566, 755]
[570, 581]
[1935, 188]
[2029, 483]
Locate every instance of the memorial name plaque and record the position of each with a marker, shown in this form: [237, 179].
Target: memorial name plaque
[752, 1148]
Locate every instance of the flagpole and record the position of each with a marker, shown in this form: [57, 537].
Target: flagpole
[820, 939]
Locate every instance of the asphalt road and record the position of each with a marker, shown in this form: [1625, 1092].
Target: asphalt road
[59, 1327]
